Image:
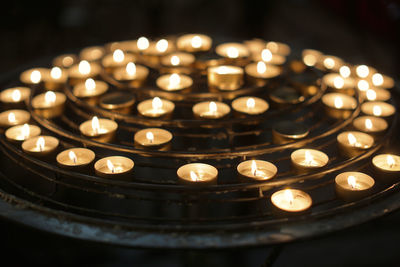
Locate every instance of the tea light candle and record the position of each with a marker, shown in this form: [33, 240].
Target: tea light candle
[92, 53]
[278, 48]
[308, 159]
[114, 167]
[225, 77]
[33, 76]
[363, 71]
[288, 131]
[178, 59]
[155, 107]
[266, 56]
[353, 143]
[260, 72]
[331, 63]
[250, 105]
[15, 95]
[376, 94]
[120, 102]
[14, 117]
[291, 200]
[82, 71]
[132, 74]
[378, 109]
[174, 82]
[353, 185]
[194, 43]
[337, 82]
[387, 163]
[211, 109]
[370, 124]
[65, 61]
[99, 129]
[40, 146]
[156, 50]
[20, 133]
[311, 57]
[257, 170]
[117, 59]
[232, 50]
[152, 137]
[90, 89]
[339, 105]
[56, 79]
[75, 158]
[383, 81]
[197, 174]
[50, 104]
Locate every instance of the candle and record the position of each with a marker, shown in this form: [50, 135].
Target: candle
[351, 186]
[120, 102]
[197, 174]
[370, 124]
[153, 138]
[156, 50]
[114, 167]
[339, 105]
[90, 90]
[155, 107]
[378, 109]
[232, 51]
[174, 82]
[311, 57]
[250, 105]
[117, 59]
[75, 158]
[13, 117]
[102, 130]
[40, 146]
[288, 131]
[132, 74]
[338, 83]
[225, 77]
[15, 95]
[50, 104]
[82, 71]
[383, 81]
[33, 76]
[92, 53]
[266, 56]
[363, 71]
[65, 61]
[259, 73]
[211, 109]
[278, 48]
[194, 43]
[22, 132]
[353, 143]
[256, 170]
[291, 200]
[387, 166]
[56, 79]
[376, 94]
[178, 59]
[332, 63]
[308, 159]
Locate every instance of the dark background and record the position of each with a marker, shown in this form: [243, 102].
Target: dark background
[358, 31]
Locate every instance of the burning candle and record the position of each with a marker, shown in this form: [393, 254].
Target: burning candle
[353, 185]
[194, 43]
[376, 94]
[90, 89]
[99, 129]
[132, 74]
[339, 105]
[378, 109]
[259, 73]
[120, 102]
[114, 167]
[75, 158]
[232, 51]
[33, 76]
[370, 124]
[174, 82]
[92, 53]
[311, 57]
[338, 83]
[156, 50]
[13, 117]
[250, 105]
[82, 71]
[266, 56]
[291, 200]
[65, 61]
[363, 85]
[383, 81]
[363, 71]
[20, 133]
[155, 107]
[50, 104]
[142, 43]
[278, 48]
[353, 143]
[40, 146]
[117, 59]
[331, 63]
[15, 95]
[256, 170]
[211, 109]
[56, 79]
[178, 59]
[345, 71]
[308, 159]
[153, 138]
[225, 77]
[388, 164]
[197, 174]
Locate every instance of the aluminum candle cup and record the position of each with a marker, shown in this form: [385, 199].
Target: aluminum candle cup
[197, 174]
[116, 60]
[155, 107]
[378, 109]
[256, 170]
[102, 130]
[92, 53]
[15, 96]
[14, 117]
[34, 76]
[308, 159]
[339, 106]
[120, 102]
[75, 158]
[65, 61]
[250, 105]
[115, 167]
[288, 131]
[225, 77]
[351, 186]
[211, 110]
[49, 105]
[387, 166]
[90, 90]
[56, 79]
[234, 53]
[291, 200]
[153, 138]
[370, 124]
[22, 132]
[260, 73]
[194, 43]
[40, 146]
[174, 82]
[337, 83]
[278, 48]
[353, 143]
[383, 81]
[132, 74]
[375, 94]
[82, 71]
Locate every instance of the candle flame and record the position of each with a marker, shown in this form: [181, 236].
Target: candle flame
[351, 180]
[174, 80]
[84, 67]
[11, 117]
[329, 63]
[16, 95]
[232, 52]
[266, 55]
[143, 43]
[261, 67]
[289, 196]
[90, 84]
[338, 82]
[309, 159]
[110, 166]
[250, 103]
[223, 70]
[344, 71]
[50, 97]
[309, 60]
[193, 176]
[377, 111]
[363, 85]
[352, 139]
[156, 103]
[175, 61]
[118, 55]
[254, 167]
[131, 69]
[162, 45]
[212, 107]
[362, 71]
[371, 95]
[72, 156]
[150, 137]
[56, 73]
[377, 79]
[95, 124]
[390, 161]
[338, 102]
[40, 143]
[25, 131]
[196, 41]
[36, 76]
[368, 124]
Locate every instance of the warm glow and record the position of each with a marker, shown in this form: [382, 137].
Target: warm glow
[362, 71]
[84, 67]
[25, 131]
[368, 124]
[11, 117]
[363, 85]
[351, 180]
[250, 103]
[16, 95]
[193, 176]
[352, 139]
[50, 97]
[67, 61]
[36, 76]
[261, 67]
[377, 111]
[143, 43]
[72, 156]
[156, 103]
[90, 84]
[253, 168]
[329, 63]
[345, 71]
[272, 46]
[162, 45]
[212, 107]
[196, 42]
[266, 55]
[338, 82]
[377, 79]
[223, 70]
[150, 137]
[309, 159]
[371, 95]
[232, 52]
[56, 73]
[40, 143]
[131, 69]
[118, 55]
[175, 60]
[338, 102]
[110, 166]
[95, 124]
[310, 60]
[288, 196]
[174, 80]
[390, 161]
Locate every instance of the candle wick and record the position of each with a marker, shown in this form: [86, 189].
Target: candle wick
[74, 160]
[255, 172]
